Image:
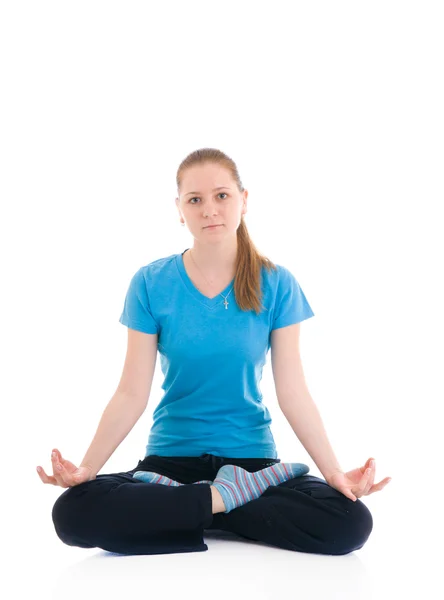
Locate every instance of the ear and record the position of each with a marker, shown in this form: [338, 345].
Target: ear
[245, 194]
[178, 207]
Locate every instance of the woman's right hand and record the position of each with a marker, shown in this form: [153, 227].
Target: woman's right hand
[65, 473]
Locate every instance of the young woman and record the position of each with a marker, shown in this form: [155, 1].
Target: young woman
[212, 312]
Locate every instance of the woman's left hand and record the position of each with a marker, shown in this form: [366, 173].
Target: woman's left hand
[358, 482]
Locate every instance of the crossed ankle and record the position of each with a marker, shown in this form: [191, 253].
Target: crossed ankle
[218, 503]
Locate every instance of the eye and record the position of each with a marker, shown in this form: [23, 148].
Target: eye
[222, 193]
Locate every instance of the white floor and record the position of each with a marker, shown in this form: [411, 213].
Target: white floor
[396, 562]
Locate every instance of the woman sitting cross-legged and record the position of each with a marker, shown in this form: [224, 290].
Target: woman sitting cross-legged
[212, 312]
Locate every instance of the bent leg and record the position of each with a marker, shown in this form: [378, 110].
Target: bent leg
[121, 514]
[303, 514]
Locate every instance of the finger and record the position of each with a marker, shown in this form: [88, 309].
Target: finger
[370, 481]
[349, 494]
[379, 486]
[57, 469]
[366, 466]
[62, 474]
[46, 478]
[69, 466]
[65, 477]
[363, 483]
[58, 455]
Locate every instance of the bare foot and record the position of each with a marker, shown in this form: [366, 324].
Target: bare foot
[218, 503]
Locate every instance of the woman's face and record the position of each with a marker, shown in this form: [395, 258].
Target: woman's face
[200, 204]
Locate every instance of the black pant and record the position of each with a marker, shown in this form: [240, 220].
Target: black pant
[121, 514]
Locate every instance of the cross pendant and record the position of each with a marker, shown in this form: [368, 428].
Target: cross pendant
[226, 304]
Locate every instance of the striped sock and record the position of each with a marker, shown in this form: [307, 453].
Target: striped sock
[151, 477]
[238, 486]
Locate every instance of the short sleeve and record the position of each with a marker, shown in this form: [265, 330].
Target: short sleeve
[136, 310]
[291, 304]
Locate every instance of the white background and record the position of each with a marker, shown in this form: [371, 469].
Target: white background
[333, 114]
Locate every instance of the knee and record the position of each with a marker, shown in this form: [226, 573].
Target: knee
[358, 526]
[66, 515]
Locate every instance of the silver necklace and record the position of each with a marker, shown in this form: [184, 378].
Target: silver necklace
[225, 297]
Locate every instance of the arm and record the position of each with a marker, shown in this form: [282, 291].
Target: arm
[305, 420]
[295, 400]
[119, 417]
[129, 401]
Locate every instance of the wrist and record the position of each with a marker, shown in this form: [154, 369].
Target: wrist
[92, 471]
[330, 474]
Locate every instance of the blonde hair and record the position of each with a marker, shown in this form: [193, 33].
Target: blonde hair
[249, 261]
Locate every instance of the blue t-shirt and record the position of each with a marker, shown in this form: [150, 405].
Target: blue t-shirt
[211, 357]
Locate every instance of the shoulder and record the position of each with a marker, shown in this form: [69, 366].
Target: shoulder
[156, 268]
[278, 275]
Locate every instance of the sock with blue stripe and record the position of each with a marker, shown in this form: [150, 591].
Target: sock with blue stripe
[238, 486]
[151, 477]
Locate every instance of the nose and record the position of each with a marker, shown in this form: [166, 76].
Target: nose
[209, 209]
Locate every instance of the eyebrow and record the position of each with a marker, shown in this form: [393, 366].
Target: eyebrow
[222, 187]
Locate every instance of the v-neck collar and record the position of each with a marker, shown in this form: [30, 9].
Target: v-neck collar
[211, 303]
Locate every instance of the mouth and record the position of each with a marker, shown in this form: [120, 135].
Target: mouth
[212, 226]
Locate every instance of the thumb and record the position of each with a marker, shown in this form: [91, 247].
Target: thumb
[348, 494]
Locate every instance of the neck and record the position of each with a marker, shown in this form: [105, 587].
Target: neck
[215, 260]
